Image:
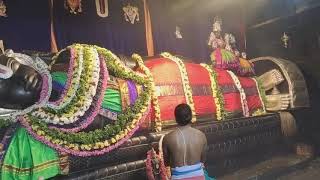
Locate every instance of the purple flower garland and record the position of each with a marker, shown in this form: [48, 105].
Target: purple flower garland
[69, 78]
[44, 89]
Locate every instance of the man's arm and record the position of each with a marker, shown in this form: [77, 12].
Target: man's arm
[166, 156]
[204, 149]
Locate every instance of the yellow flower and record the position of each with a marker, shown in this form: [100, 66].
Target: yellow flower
[101, 145]
[88, 148]
[134, 121]
[121, 135]
[82, 147]
[76, 148]
[125, 131]
[106, 143]
[96, 147]
[40, 133]
[113, 140]
[70, 145]
[117, 137]
[48, 138]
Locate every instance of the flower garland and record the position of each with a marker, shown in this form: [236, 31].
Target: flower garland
[84, 150]
[154, 95]
[4, 123]
[164, 174]
[99, 141]
[73, 78]
[185, 81]
[216, 92]
[244, 103]
[82, 101]
[95, 107]
[262, 96]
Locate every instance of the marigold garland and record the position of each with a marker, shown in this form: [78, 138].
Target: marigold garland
[154, 96]
[185, 81]
[99, 141]
[216, 92]
[244, 103]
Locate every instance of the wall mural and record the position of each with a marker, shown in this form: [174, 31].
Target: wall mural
[3, 9]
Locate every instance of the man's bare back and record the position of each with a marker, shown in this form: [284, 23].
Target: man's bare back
[194, 148]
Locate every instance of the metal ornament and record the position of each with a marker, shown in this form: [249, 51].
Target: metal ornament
[102, 7]
[5, 72]
[74, 6]
[3, 9]
[178, 33]
[285, 39]
[131, 13]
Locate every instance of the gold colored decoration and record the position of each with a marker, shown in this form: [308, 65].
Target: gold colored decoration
[185, 82]
[102, 7]
[1, 47]
[124, 93]
[285, 39]
[74, 6]
[178, 33]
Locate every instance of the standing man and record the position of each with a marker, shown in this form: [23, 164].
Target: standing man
[184, 148]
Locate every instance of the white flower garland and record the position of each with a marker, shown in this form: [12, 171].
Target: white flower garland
[75, 81]
[185, 81]
[84, 102]
[243, 97]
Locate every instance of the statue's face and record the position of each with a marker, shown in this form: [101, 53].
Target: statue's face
[22, 88]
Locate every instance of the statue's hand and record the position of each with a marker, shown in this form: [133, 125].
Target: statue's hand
[277, 102]
[271, 79]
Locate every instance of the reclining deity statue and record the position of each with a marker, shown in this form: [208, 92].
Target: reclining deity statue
[87, 101]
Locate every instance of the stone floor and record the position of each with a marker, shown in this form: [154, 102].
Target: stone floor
[282, 167]
[310, 172]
